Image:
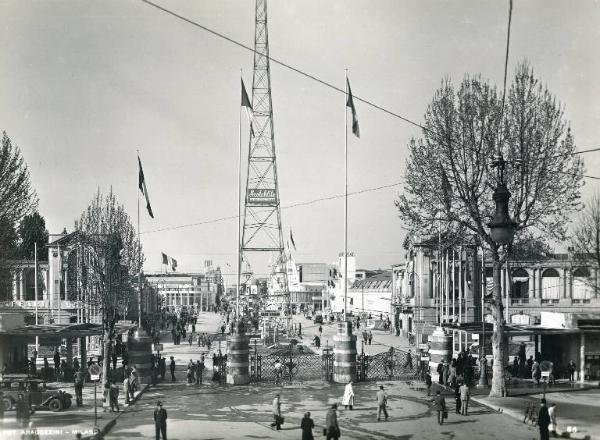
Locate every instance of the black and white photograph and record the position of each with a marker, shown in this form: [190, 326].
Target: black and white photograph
[284, 219]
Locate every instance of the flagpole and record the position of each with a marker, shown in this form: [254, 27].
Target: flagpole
[345, 195]
[35, 274]
[139, 259]
[239, 200]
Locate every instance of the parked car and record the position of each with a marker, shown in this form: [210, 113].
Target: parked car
[41, 395]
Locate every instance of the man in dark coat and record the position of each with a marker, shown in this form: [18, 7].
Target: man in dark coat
[439, 405]
[544, 421]
[332, 428]
[172, 367]
[571, 368]
[160, 421]
[79, 381]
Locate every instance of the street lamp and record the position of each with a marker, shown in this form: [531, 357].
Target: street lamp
[502, 232]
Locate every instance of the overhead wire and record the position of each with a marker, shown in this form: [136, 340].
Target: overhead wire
[293, 205]
[327, 84]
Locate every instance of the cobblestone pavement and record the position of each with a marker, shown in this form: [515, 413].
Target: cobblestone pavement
[223, 412]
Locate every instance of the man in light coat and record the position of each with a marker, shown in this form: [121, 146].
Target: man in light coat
[465, 394]
[348, 399]
[277, 413]
[381, 403]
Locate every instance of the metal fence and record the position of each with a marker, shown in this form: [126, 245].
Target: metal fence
[394, 364]
[289, 367]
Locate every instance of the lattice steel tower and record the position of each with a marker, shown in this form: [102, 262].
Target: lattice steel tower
[262, 214]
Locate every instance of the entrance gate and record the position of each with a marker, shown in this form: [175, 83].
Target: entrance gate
[394, 364]
[288, 365]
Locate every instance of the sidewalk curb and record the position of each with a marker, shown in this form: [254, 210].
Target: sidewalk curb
[109, 426]
[520, 417]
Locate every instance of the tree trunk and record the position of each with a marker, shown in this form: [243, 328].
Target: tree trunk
[105, 358]
[498, 340]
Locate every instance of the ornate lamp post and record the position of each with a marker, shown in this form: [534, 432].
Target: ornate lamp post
[502, 231]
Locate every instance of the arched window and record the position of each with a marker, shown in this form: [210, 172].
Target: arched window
[550, 285]
[582, 289]
[520, 283]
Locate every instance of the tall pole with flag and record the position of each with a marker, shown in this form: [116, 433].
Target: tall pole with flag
[245, 103]
[144, 190]
[349, 102]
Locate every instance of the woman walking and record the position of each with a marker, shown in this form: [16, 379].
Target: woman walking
[307, 425]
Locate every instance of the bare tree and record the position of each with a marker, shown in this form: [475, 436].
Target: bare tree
[450, 174]
[109, 262]
[586, 238]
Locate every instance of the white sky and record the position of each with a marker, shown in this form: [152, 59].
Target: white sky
[86, 83]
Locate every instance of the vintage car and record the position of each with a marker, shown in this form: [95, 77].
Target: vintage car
[36, 390]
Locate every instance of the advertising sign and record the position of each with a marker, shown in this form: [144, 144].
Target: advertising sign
[262, 196]
[94, 371]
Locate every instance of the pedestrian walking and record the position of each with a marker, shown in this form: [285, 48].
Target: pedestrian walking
[160, 421]
[162, 367]
[348, 399]
[543, 421]
[56, 364]
[23, 410]
[439, 405]
[114, 397]
[79, 382]
[320, 330]
[457, 397]
[465, 395]
[381, 403]
[408, 363]
[552, 415]
[198, 372]
[126, 390]
[428, 381]
[332, 429]
[106, 398]
[190, 339]
[307, 425]
[278, 419]
[571, 368]
[172, 368]
[370, 337]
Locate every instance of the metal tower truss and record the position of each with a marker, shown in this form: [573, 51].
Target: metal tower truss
[262, 230]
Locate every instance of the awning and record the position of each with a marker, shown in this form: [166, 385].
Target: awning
[65, 330]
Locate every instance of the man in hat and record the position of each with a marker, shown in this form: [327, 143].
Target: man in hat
[160, 421]
[543, 420]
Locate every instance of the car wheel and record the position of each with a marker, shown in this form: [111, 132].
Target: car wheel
[7, 403]
[55, 405]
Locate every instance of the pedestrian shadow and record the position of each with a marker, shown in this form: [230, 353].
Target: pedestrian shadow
[460, 422]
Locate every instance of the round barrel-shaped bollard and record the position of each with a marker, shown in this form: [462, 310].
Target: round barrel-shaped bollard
[344, 350]
[238, 359]
[440, 348]
[139, 349]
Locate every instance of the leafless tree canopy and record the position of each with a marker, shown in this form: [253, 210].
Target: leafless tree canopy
[586, 236]
[449, 173]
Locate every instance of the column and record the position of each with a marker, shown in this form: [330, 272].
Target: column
[21, 286]
[14, 288]
[238, 357]
[344, 349]
[582, 357]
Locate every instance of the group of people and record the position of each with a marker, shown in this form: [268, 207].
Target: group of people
[194, 370]
[331, 429]
[460, 369]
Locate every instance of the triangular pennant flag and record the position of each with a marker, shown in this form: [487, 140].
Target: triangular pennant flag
[292, 239]
[143, 189]
[350, 103]
[246, 103]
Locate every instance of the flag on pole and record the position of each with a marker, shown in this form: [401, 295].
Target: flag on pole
[143, 189]
[292, 239]
[173, 264]
[165, 259]
[350, 103]
[246, 103]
